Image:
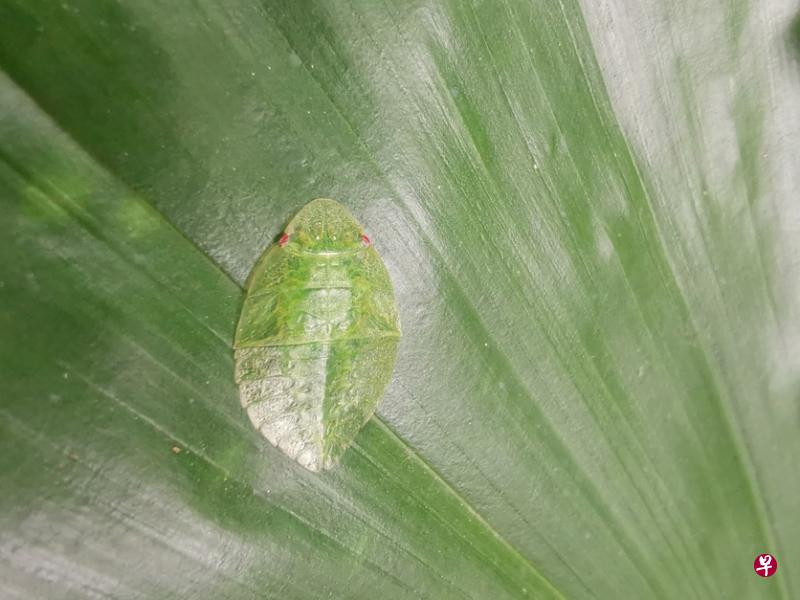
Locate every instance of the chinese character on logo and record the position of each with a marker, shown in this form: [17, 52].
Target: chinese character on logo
[765, 565]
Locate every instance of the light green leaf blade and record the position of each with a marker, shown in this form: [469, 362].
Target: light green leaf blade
[587, 212]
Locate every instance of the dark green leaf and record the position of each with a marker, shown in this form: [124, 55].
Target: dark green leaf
[588, 210]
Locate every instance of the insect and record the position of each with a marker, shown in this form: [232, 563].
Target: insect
[317, 339]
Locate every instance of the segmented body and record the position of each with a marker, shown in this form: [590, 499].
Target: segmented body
[316, 342]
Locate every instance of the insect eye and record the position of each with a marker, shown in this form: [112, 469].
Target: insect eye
[284, 239]
[365, 239]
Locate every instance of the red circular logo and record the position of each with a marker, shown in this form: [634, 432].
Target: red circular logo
[765, 565]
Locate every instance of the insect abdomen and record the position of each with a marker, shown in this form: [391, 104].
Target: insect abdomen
[312, 399]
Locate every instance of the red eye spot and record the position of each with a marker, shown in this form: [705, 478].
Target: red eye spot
[365, 239]
[284, 240]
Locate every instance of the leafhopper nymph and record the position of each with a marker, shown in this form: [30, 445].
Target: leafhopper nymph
[317, 338]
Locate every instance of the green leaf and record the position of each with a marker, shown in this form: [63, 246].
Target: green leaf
[588, 211]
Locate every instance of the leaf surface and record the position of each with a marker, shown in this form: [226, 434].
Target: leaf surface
[588, 213]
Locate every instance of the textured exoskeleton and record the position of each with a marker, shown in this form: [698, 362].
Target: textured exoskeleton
[317, 338]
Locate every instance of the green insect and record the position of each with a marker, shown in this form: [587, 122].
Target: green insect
[317, 339]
